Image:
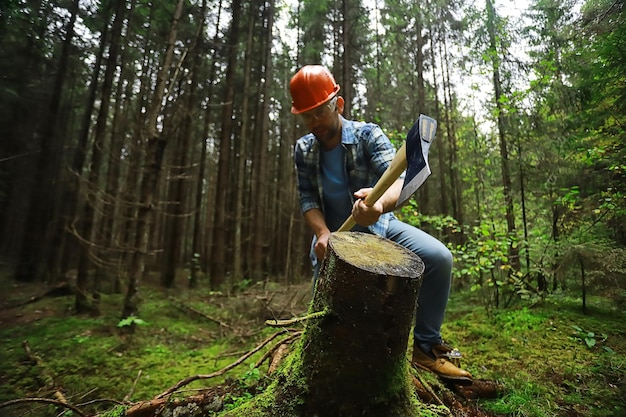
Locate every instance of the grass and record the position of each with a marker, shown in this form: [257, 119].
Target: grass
[541, 356]
[552, 359]
[92, 358]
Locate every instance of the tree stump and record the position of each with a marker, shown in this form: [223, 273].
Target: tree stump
[352, 361]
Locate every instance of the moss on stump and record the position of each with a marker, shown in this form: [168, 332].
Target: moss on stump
[352, 361]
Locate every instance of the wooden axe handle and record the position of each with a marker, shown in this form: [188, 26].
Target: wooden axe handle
[393, 172]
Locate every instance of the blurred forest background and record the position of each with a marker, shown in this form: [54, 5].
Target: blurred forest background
[143, 137]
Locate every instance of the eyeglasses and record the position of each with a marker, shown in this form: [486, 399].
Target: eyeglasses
[320, 112]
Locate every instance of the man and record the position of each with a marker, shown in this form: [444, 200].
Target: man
[337, 163]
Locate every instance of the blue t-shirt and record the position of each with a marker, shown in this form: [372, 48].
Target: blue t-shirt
[336, 190]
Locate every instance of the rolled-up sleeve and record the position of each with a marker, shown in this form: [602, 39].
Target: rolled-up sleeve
[381, 150]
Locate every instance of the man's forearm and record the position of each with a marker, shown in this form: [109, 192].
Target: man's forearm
[390, 198]
[314, 218]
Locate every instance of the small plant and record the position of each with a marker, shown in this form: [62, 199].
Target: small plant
[251, 376]
[233, 401]
[131, 321]
[81, 338]
[590, 338]
[117, 411]
[242, 285]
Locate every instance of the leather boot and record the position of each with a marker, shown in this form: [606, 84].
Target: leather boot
[440, 366]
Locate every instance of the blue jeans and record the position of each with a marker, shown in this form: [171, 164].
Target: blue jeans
[436, 281]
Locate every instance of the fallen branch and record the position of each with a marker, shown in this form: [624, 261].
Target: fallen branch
[36, 359]
[43, 400]
[277, 358]
[433, 397]
[182, 306]
[285, 342]
[285, 323]
[222, 371]
[132, 389]
[48, 378]
[60, 289]
[101, 401]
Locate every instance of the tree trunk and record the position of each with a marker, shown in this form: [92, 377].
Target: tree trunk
[439, 144]
[242, 150]
[155, 147]
[504, 153]
[352, 361]
[346, 69]
[225, 167]
[176, 225]
[90, 218]
[199, 243]
[42, 213]
[260, 164]
[453, 166]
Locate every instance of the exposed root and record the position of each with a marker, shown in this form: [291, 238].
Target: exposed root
[286, 323]
[188, 309]
[479, 389]
[62, 404]
[456, 398]
[222, 371]
[277, 352]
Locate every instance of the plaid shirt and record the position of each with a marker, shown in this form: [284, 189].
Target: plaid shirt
[368, 153]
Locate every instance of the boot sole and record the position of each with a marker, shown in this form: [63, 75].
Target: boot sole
[457, 380]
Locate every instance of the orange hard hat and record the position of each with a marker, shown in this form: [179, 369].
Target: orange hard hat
[312, 86]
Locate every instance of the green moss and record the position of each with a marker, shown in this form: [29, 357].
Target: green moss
[535, 353]
[283, 397]
[117, 411]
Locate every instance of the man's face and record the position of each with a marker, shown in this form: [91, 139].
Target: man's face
[324, 123]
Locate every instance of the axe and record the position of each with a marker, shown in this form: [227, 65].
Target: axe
[412, 157]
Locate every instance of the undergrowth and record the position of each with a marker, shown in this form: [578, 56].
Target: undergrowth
[552, 359]
[543, 355]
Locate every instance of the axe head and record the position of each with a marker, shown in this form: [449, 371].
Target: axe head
[418, 142]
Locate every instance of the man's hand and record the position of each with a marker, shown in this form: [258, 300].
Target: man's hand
[315, 220]
[320, 245]
[362, 214]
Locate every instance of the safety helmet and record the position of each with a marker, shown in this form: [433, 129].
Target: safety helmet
[311, 86]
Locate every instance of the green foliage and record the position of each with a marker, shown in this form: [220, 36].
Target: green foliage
[539, 353]
[591, 339]
[481, 262]
[546, 369]
[232, 402]
[243, 284]
[252, 375]
[117, 411]
[131, 321]
[525, 399]
[90, 355]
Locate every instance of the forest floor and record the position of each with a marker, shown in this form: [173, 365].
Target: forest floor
[548, 357]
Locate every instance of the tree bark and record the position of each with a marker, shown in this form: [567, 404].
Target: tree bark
[225, 166]
[242, 149]
[502, 134]
[42, 213]
[90, 218]
[260, 163]
[352, 361]
[177, 224]
[155, 147]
